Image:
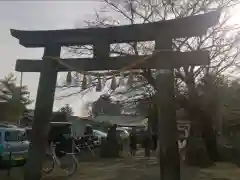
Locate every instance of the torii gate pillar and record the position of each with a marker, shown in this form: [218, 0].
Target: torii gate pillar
[43, 111]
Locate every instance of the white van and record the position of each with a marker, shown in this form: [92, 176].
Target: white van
[124, 134]
[13, 144]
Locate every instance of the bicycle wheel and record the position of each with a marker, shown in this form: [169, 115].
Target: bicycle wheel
[69, 164]
[48, 164]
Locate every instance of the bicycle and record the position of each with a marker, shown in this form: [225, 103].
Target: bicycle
[85, 142]
[55, 160]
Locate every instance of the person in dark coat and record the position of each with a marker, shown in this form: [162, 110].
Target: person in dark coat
[88, 137]
[147, 143]
[133, 142]
[88, 131]
[154, 140]
[113, 142]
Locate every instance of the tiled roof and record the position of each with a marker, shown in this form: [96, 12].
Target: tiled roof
[122, 120]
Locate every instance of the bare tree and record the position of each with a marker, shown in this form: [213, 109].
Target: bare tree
[221, 41]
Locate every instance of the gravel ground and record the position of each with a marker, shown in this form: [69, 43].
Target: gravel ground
[129, 168]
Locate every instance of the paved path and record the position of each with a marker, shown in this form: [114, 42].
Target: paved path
[128, 168]
[131, 168]
[138, 168]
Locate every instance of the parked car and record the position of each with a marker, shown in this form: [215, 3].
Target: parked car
[122, 132]
[99, 135]
[128, 129]
[14, 144]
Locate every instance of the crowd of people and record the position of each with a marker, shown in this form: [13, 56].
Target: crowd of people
[148, 141]
[144, 139]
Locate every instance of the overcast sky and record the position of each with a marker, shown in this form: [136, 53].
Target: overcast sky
[38, 15]
[42, 15]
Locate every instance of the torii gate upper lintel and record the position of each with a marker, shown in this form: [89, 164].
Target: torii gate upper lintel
[182, 27]
[161, 32]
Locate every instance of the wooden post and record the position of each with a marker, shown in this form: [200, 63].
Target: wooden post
[101, 50]
[42, 113]
[148, 139]
[168, 151]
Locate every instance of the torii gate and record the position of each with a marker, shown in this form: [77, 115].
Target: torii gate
[162, 33]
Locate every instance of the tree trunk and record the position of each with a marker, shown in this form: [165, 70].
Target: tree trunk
[209, 136]
[148, 139]
[204, 118]
[169, 163]
[205, 129]
[33, 168]
[42, 114]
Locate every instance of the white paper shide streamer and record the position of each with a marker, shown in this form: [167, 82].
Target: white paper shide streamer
[69, 78]
[104, 80]
[76, 80]
[130, 80]
[99, 85]
[113, 83]
[121, 79]
[89, 81]
[84, 82]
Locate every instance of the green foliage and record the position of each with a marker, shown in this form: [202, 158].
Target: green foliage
[16, 98]
[67, 109]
